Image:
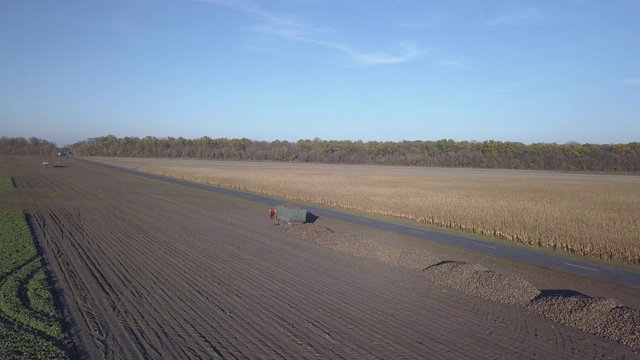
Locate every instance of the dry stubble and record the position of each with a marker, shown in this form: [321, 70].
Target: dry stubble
[593, 215]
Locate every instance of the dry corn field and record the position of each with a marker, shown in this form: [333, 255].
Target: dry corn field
[594, 215]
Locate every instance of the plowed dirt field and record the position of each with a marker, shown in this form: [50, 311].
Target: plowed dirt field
[152, 270]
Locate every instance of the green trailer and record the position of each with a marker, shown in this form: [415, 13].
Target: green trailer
[283, 215]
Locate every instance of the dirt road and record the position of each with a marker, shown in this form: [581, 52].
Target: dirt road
[153, 270]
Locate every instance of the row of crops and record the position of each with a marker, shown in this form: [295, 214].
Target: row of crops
[30, 322]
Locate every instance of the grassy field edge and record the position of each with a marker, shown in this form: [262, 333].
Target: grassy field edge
[31, 325]
[6, 182]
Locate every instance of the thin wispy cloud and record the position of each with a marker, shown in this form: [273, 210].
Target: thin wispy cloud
[408, 53]
[292, 28]
[519, 17]
[632, 81]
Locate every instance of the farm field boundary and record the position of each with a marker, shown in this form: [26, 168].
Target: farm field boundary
[31, 325]
[591, 215]
[556, 261]
[6, 182]
[162, 271]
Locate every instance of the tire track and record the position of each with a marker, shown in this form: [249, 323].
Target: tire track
[162, 271]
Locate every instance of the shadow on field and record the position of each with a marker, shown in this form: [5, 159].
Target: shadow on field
[604, 317]
[564, 293]
[311, 218]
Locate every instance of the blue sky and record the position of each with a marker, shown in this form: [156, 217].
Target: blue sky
[509, 70]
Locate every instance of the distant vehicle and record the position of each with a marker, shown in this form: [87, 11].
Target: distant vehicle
[45, 163]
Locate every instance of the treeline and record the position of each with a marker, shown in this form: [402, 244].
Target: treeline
[446, 153]
[22, 146]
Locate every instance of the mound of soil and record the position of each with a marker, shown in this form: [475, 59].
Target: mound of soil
[411, 258]
[468, 278]
[604, 317]
[308, 231]
[599, 316]
[479, 281]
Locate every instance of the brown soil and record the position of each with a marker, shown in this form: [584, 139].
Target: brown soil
[152, 270]
[604, 317]
[477, 280]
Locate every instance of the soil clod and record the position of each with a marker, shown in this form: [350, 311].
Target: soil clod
[603, 317]
[479, 281]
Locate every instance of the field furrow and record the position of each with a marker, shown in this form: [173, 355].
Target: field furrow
[154, 270]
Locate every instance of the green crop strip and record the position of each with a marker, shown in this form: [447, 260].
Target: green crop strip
[30, 324]
[6, 182]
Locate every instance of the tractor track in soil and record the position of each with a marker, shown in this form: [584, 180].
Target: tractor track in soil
[152, 270]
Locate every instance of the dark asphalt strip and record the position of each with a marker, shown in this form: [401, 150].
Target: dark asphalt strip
[588, 269]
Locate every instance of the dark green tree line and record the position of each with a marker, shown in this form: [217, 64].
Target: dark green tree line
[448, 153]
[22, 146]
[445, 152]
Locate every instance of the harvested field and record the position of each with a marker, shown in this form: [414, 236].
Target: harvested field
[604, 317]
[593, 215]
[153, 270]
